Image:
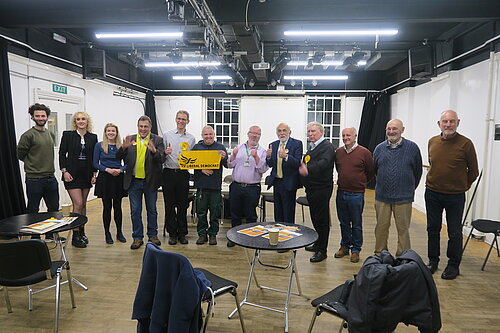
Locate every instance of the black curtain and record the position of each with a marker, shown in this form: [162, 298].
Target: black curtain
[376, 113]
[151, 110]
[11, 189]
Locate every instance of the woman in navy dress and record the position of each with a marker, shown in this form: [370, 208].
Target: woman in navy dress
[75, 161]
[109, 185]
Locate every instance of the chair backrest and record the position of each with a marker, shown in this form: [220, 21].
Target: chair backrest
[20, 259]
[228, 179]
[169, 292]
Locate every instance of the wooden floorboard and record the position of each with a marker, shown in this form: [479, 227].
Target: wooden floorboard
[468, 304]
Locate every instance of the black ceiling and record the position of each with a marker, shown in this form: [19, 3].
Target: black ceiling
[420, 22]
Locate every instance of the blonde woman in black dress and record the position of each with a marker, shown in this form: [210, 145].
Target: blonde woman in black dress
[75, 160]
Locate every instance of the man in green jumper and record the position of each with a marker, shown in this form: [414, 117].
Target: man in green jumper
[36, 150]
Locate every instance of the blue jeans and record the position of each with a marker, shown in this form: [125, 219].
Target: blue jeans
[46, 188]
[349, 211]
[137, 188]
[453, 204]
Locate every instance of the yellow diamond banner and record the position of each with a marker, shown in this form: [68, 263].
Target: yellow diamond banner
[199, 159]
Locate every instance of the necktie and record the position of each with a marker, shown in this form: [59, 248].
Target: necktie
[279, 171]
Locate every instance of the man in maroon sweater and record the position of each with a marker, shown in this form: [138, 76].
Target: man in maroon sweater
[355, 168]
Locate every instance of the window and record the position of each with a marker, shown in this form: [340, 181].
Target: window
[326, 110]
[223, 115]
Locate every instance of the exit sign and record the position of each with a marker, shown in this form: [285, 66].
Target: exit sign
[59, 89]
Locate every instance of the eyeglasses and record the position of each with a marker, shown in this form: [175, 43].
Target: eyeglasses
[78, 119]
[255, 133]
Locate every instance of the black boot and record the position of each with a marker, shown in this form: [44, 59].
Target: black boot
[84, 237]
[77, 240]
[120, 237]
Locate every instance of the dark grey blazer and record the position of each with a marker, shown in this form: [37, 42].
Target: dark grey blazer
[153, 162]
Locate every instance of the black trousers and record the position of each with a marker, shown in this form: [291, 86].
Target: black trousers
[284, 202]
[319, 207]
[175, 196]
[243, 201]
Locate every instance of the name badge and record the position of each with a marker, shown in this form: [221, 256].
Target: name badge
[246, 163]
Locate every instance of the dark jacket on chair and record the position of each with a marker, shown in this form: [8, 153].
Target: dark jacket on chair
[168, 297]
[388, 291]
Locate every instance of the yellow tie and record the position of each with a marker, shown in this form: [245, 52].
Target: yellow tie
[279, 172]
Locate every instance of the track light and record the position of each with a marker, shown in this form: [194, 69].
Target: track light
[251, 83]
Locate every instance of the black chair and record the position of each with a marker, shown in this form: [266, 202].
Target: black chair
[487, 227]
[220, 286]
[27, 262]
[333, 303]
[302, 201]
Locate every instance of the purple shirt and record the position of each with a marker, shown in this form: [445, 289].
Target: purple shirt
[252, 173]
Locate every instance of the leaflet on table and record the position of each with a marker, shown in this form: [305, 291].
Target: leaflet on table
[285, 235]
[254, 231]
[48, 225]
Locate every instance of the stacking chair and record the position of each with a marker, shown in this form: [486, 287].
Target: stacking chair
[225, 198]
[333, 303]
[220, 286]
[265, 198]
[487, 227]
[302, 201]
[27, 262]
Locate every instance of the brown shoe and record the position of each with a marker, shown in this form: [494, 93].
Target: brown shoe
[355, 257]
[154, 240]
[136, 244]
[342, 252]
[212, 240]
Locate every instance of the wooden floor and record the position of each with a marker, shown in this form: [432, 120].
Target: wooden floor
[471, 303]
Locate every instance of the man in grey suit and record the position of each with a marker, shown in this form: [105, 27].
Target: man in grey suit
[143, 154]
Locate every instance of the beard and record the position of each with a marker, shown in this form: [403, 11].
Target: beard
[41, 123]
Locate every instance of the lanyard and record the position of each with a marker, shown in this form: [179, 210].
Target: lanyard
[246, 148]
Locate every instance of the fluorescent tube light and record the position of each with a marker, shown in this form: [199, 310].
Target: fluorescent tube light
[219, 77]
[343, 33]
[187, 77]
[315, 77]
[138, 35]
[323, 63]
[183, 64]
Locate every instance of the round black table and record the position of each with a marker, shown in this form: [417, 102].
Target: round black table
[308, 236]
[11, 226]
[259, 243]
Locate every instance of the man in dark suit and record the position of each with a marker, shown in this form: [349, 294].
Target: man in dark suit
[143, 154]
[284, 156]
[316, 170]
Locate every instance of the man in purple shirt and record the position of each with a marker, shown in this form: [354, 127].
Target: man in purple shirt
[248, 161]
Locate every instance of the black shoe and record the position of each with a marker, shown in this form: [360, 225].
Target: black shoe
[183, 240]
[77, 240]
[212, 240]
[230, 244]
[432, 266]
[120, 237]
[82, 234]
[109, 240]
[172, 240]
[202, 240]
[311, 248]
[450, 273]
[318, 256]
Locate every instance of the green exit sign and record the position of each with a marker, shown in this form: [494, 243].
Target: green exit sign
[59, 89]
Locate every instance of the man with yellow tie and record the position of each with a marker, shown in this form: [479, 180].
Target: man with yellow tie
[284, 156]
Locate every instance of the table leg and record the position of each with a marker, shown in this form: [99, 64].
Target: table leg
[252, 266]
[250, 263]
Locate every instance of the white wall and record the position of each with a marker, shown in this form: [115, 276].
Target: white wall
[467, 92]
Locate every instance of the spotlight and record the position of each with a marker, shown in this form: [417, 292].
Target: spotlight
[176, 56]
[231, 82]
[251, 83]
[175, 10]
[292, 83]
[273, 82]
[211, 82]
[314, 83]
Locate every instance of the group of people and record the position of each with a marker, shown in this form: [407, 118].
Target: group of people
[143, 162]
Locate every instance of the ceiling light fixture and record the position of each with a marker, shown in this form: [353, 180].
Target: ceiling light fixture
[315, 77]
[183, 64]
[323, 63]
[390, 32]
[138, 35]
[187, 77]
[219, 77]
